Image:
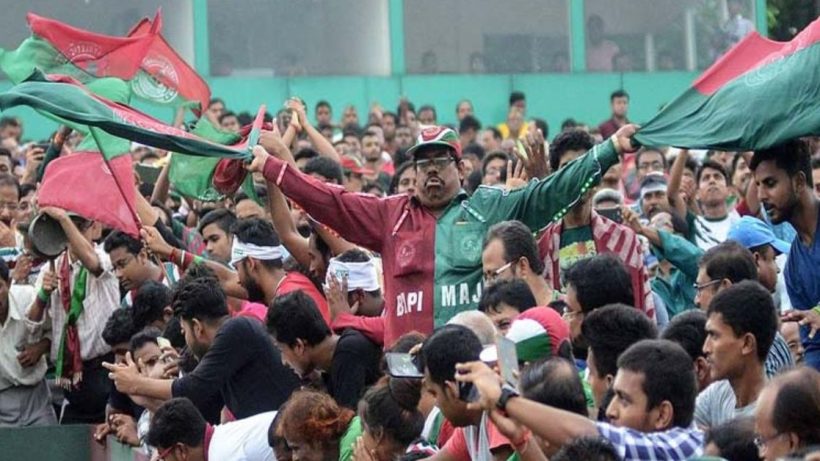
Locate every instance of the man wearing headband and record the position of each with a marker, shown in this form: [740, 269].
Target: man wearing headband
[431, 242]
[363, 288]
[653, 197]
[258, 256]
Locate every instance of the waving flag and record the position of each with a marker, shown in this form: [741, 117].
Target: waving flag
[759, 94]
[83, 182]
[153, 71]
[63, 97]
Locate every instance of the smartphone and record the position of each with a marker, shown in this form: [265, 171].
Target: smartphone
[467, 392]
[508, 361]
[613, 214]
[401, 365]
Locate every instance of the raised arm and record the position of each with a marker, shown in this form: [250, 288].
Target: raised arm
[676, 201]
[293, 241]
[322, 145]
[77, 242]
[228, 279]
[563, 425]
[359, 218]
[547, 200]
[163, 184]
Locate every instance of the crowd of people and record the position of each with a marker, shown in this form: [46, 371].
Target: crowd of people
[405, 290]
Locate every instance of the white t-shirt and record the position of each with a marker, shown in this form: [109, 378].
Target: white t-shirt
[715, 405]
[711, 232]
[243, 439]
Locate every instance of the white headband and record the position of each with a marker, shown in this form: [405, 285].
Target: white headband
[359, 275]
[241, 250]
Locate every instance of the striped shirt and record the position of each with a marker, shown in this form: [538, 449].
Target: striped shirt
[610, 237]
[678, 443]
[779, 358]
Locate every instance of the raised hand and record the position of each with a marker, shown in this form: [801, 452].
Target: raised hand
[154, 241]
[336, 294]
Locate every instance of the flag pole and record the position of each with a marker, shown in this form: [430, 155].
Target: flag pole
[116, 181]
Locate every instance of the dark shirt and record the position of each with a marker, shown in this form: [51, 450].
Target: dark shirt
[243, 368]
[609, 127]
[356, 365]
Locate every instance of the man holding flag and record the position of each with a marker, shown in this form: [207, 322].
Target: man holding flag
[75, 298]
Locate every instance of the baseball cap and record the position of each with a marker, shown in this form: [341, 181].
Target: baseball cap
[436, 136]
[353, 165]
[537, 333]
[752, 232]
[653, 182]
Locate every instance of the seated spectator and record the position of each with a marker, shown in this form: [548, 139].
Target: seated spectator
[359, 271]
[478, 323]
[733, 440]
[439, 355]
[593, 283]
[654, 389]
[689, 330]
[237, 361]
[349, 361]
[510, 251]
[787, 413]
[588, 449]
[390, 418]
[504, 300]
[741, 325]
[152, 306]
[724, 265]
[610, 331]
[178, 431]
[316, 428]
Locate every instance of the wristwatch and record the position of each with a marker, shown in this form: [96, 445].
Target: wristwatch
[507, 392]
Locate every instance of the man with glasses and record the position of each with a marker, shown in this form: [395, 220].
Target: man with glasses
[11, 241]
[510, 252]
[723, 266]
[431, 243]
[134, 266]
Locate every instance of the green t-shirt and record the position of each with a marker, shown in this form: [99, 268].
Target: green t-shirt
[348, 441]
[576, 244]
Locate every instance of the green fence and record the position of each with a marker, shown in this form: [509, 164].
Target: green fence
[62, 443]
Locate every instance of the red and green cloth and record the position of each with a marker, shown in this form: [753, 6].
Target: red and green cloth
[152, 70]
[761, 93]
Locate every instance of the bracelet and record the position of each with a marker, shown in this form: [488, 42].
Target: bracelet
[43, 296]
[173, 256]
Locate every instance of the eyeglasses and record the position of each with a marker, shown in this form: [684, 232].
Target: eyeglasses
[437, 162]
[702, 286]
[11, 206]
[490, 276]
[762, 442]
[570, 314]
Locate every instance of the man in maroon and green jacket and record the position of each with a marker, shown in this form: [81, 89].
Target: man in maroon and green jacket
[431, 243]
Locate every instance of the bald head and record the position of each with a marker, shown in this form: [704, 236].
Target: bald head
[478, 323]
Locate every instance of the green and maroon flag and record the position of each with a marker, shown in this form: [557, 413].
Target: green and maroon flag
[87, 184]
[153, 71]
[67, 99]
[759, 94]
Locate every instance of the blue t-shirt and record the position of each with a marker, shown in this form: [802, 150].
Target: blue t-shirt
[802, 276]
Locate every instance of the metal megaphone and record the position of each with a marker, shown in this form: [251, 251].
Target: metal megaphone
[47, 236]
